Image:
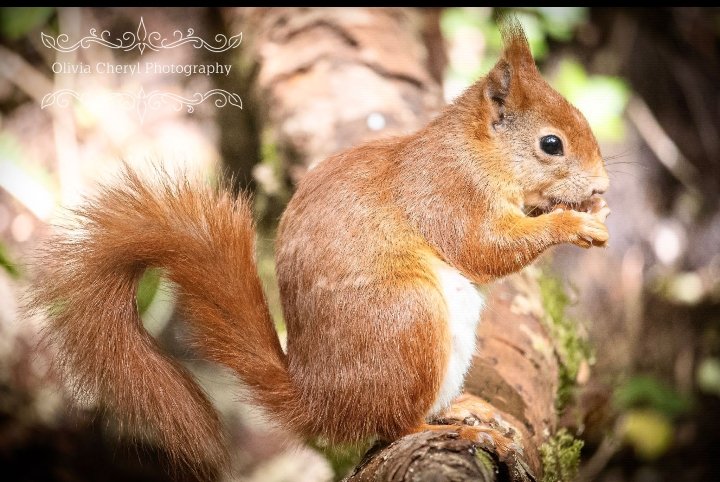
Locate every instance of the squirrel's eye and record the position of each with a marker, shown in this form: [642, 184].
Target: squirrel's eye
[551, 145]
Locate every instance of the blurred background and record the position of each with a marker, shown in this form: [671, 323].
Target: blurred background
[646, 394]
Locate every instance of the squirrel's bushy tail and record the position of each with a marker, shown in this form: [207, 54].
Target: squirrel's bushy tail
[86, 283]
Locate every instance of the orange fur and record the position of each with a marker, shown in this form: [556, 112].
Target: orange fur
[368, 333]
[86, 285]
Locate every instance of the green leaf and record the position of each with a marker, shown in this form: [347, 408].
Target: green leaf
[16, 22]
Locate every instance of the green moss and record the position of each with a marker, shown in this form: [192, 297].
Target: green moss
[272, 195]
[560, 457]
[572, 348]
[273, 191]
[486, 460]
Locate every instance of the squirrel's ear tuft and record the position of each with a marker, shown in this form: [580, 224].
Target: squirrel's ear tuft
[504, 86]
[516, 49]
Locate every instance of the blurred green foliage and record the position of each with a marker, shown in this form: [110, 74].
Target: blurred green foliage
[16, 22]
[461, 25]
[559, 23]
[680, 287]
[268, 203]
[155, 299]
[147, 289]
[560, 457]
[540, 24]
[572, 348]
[272, 193]
[271, 162]
[644, 391]
[342, 458]
[265, 248]
[708, 375]
[649, 432]
[12, 152]
[601, 99]
[10, 148]
[649, 408]
[6, 264]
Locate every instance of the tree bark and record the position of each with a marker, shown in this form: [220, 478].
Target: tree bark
[333, 78]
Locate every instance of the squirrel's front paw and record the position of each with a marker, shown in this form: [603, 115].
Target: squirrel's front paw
[589, 229]
[599, 208]
[585, 225]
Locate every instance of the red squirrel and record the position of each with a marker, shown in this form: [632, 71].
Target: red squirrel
[378, 254]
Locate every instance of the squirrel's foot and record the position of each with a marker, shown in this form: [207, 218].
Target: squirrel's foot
[482, 436]
[471, 410]
[477, 421]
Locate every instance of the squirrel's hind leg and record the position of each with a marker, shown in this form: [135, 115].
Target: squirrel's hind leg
[476, 420]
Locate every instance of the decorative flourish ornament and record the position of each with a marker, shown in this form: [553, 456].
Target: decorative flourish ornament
[141, 40]
[142, 101]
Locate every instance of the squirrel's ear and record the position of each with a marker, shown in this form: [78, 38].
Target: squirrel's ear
[504, 85]
[497, 89]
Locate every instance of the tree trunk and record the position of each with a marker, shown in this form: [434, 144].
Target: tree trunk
[332, 78]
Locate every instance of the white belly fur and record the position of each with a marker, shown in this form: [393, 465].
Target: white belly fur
[464, 305]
